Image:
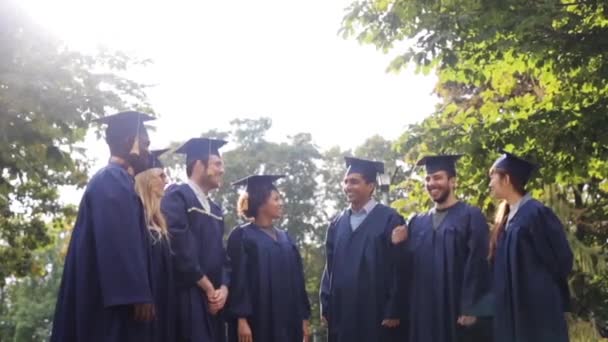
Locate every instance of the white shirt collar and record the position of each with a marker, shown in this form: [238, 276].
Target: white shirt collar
[515, 207]
[366, 209]
[200, 195]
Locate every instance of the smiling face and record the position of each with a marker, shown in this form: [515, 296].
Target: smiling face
[500, 184]
[273, 207]
[357, 189]
[209, 174]
[439, 186]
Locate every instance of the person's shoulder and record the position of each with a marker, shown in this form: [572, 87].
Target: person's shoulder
[472, 209]
[388, 211]
[533, 209]
[109, 180]
[177, 191]
[215, 206]
[178, 187]
[240, 231]
[384, 208]
[337, 217]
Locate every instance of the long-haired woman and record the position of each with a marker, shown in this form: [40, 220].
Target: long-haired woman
[150, 186]
[531, 260]
[268, 300]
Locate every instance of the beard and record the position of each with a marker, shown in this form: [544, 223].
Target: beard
[444, 194]
[139, 163]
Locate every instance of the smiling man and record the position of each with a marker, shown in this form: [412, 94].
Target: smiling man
[196, 227]
[359, 286]
[447, 249]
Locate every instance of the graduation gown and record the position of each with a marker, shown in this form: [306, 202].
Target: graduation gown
[359, 284]
[450, 274]
[163, 289]
[198, 250]
[107, 265]
[267, 285]
[531, 266]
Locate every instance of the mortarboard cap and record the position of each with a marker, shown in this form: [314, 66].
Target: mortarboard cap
[519, 168]
[257, 181]
[441, 162]
[369, 169]
[154, 162]
[124, 124]
[200, 148]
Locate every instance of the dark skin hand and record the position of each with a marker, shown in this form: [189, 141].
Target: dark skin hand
[144, 312]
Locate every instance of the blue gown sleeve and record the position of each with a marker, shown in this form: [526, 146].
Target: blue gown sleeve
[120, 243]
[394, 302]
[327, 272]
[239, 301]
[227, 268]
[552, 247]
[185, 258]
[551, 244]
[301, 283]
[476, 279]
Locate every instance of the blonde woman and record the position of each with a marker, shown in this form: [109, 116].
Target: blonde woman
[150, 186]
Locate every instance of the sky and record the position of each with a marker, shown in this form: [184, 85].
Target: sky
[214, 61]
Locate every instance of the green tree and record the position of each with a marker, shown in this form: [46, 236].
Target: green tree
[48, 96]
[526, 76]
[27, 304]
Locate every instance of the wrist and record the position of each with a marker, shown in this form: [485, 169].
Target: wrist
[204, 285]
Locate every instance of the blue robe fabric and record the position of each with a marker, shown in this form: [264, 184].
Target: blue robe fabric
[107, 265]
[267, 285]
[163, 289]
[359, 284]
[531, 266]
[450, 274]
[198, 250]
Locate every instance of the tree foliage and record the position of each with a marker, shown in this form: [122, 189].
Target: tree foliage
[529, 77]
[48, 96]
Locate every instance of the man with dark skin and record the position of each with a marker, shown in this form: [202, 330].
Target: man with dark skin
[105, 292]
[359, 286]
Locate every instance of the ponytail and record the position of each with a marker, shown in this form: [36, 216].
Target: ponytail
[242, 207]
[500, 222]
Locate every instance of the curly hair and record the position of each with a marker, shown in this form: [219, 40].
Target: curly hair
[250, 202]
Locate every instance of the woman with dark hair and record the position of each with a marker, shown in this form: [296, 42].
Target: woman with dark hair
[268, 300]
[531, 260]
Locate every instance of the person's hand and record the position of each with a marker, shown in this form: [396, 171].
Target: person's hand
[399, 234]
[144, 312]
[467, 321]
[218, 300]
[391, 323]
[306, 330]
[244, 331]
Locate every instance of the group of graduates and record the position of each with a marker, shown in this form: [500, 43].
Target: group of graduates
[147, 260]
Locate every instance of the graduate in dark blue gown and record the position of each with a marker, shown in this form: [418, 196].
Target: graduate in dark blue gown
[359, 298]
[268, 300]
[105, 292]
[150, 186]
[531, 260]
[447, 250]
[196, 226]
